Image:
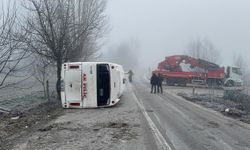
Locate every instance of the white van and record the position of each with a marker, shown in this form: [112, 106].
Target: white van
[91, 84]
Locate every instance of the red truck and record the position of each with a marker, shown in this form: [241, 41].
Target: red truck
[183, 69]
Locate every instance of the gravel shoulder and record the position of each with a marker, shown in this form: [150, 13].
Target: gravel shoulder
[119, 127]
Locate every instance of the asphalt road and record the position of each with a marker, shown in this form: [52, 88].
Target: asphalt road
[187, 126]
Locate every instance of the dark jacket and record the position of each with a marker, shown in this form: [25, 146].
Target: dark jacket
[160, 79]
[153, 80]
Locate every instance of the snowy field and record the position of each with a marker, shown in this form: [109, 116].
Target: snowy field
[25, 95]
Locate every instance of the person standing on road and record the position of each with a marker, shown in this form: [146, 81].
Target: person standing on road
[159, 83]
[130, 74]
[153, 82]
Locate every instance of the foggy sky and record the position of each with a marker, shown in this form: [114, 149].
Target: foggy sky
[165, 27]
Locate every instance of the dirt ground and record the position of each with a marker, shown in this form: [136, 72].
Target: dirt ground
[19, 124]
[117, 127]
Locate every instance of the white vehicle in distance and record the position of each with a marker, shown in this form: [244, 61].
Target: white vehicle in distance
[91, 84]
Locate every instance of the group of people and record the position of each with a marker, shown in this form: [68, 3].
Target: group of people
[156, 83]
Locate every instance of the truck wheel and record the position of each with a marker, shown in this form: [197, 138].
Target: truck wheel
[230, 83]
[170, 82]
[182, 82]
[209, 83]
[220, 83]
[213, 83]
[185, 83]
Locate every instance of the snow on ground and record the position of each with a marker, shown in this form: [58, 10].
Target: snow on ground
[236, 106]
[25, 95]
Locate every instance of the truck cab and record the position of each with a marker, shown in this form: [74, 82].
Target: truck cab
[233, 77]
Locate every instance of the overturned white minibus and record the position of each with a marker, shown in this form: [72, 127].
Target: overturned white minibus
[91, 84]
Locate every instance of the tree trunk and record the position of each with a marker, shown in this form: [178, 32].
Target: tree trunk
[44, 91]
[47, 90]
[58, 83]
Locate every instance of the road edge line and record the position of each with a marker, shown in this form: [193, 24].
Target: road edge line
[159, 137]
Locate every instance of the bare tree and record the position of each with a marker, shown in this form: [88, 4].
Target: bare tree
[203, 49]
[239, 61]
[63, 30]
[12, 50]
[89, 24]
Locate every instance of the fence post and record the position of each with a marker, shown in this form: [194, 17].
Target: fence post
[193, 92]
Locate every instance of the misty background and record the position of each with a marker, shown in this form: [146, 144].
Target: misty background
[165, 27]
[143, 32]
